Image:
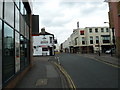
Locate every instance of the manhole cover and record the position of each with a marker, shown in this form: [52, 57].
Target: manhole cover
[41, 82]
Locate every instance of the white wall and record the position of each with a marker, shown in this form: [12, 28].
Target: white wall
[94, 34]
[40, 42]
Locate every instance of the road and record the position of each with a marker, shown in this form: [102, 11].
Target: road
[89, 73]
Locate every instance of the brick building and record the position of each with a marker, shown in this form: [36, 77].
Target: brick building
[114, 19]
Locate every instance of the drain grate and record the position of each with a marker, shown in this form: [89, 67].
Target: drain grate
[41, 82]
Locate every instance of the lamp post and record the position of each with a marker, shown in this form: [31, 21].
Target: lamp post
[113, 39]
[99, 48]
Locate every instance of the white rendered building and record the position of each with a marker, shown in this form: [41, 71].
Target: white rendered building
[89, 39]
[43, 44]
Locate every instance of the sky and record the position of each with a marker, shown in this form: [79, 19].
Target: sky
[60, 17]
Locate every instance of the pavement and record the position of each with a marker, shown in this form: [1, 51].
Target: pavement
[43, 74]
[106, 58]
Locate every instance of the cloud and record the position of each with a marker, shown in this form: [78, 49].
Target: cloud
[60, 17]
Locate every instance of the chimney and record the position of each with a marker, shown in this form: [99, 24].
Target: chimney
[43, 30]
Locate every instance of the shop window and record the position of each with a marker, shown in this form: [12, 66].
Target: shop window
[22, 53]
[106, 39]
[27, 32]
[26, 52]
[0, 53]
[1, 8]
[8, 54]
[17, 19]
[17, 52]
[9, 12]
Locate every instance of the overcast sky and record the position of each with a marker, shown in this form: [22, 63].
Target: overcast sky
[60, 17]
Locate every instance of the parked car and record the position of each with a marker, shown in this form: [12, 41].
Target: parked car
[109, 51]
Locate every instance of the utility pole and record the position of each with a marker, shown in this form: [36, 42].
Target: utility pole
[99, 48]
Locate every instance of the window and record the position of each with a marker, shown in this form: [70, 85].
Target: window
[17, 16]
[76, 40]
[27, 28]
[0, 35]
[1, 8]
[26, 50]
[0, 52]
[17, 51]
[21, 8]
[82, 32]
[22, 25]
[22, 53]
[17, 3]
[97, 39]
[90, 30]
[96, 30]
[107, 30]
[8, 54]
[91, 40]
[50, 39]
[106, 38]
[83, 40]
[44, 49]
[102, 29]
[9, 12]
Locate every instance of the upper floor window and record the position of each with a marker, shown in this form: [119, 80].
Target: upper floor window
[96, 30]
[90, 30]
[17, 19]
[82, 32]
[102, 29]
[17, 2]
[107, 29]
[9, 12]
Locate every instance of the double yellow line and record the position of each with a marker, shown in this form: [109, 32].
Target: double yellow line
[70, 81]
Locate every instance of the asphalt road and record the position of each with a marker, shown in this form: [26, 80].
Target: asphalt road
[89, 73]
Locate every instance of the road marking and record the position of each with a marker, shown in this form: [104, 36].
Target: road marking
[70, 81]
